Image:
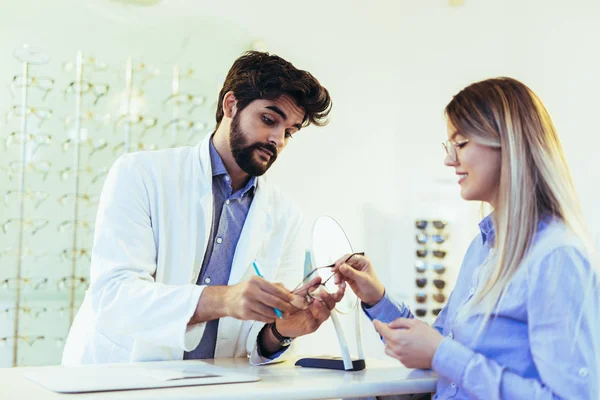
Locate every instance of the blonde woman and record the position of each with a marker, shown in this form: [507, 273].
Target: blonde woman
[523, 321]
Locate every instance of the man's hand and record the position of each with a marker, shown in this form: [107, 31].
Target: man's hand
[254, 299]
[410, 341]
[304, 322]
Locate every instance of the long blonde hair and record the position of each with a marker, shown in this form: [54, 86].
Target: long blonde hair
[534, 181]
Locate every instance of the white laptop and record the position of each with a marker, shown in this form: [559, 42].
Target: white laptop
[96, 378]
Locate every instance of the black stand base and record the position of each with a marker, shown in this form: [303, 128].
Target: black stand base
[330, 363]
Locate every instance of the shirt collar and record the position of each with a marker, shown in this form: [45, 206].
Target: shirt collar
[218, 169]
[488, 232]
[486, 227]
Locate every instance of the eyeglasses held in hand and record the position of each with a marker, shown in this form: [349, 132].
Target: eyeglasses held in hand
[327, 285]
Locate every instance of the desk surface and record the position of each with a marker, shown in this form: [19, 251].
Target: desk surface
[284, 380]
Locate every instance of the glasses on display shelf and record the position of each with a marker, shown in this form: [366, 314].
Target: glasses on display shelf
[43, 83]
[438, 224]
[89, 62]
[421, 282]
[95, 173]
[65, 310]
[39, 167]
[421, 224]
[421, 297]
[69, 254]
[37, 140]
[95, 145]
[70, 224]
[72, 282]
[32, 312]
[185, 99]
[86, 118]
[184, 125]
[35, 283]
[439, 297]
[436, 311]
[34, 224]
[23, 253]
[420, 312]
[421, 267]
[422, 253]
[452, 147]
[439, 283]
[88, 199]
[439, 268]
[139, 146]
[423, 238]
[146, 72]
[41, 113]
[30, 340]
[146, 123]
[14, 196]
[97, 89]
[439, 253]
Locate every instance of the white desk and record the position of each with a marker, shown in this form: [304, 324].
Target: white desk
[280, 381]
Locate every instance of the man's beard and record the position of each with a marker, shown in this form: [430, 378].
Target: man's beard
[243, 153]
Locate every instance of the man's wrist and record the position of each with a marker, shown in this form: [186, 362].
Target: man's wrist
[268, 342]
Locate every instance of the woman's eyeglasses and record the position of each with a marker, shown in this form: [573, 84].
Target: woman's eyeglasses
[452, 148]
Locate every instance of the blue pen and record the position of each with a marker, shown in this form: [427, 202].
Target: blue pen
[255, 265]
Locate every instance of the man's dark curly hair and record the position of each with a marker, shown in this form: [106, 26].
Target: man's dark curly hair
[257, 75]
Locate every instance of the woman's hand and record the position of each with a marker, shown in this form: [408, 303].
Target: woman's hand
[358, 272]
[410, 341]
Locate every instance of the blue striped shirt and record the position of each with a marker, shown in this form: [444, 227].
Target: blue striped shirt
[543, 340]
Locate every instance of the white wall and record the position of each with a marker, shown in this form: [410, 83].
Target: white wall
[391, 67]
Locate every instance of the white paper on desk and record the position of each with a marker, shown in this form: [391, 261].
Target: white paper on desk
[176, 373]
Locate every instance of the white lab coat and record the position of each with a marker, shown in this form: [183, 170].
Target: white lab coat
[151, 234]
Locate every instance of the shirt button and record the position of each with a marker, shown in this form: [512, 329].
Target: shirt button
[583, 372]
[207, 280]
[451, 335]
[227, 178]
[227, 202]
[472, 291]
[219, 240]
[453, 384]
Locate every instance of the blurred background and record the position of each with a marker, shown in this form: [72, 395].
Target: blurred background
[137, 75]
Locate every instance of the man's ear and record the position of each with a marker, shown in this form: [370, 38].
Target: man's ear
[229, 105]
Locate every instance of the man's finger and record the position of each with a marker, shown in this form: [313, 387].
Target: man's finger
[275, 302]
[275, 290]
[304, 289]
